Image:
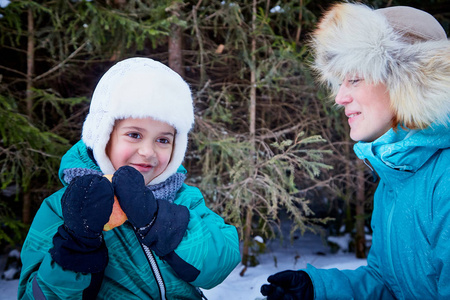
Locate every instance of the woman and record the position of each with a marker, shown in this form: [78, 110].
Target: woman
[389, 69]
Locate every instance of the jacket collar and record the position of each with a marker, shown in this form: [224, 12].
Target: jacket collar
[404, 150]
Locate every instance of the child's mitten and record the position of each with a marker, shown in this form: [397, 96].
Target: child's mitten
[159, 224]
[86, 206]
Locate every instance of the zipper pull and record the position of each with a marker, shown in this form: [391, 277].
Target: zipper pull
[201, 294]
[374, 174]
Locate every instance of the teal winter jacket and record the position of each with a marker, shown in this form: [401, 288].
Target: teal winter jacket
[209, 245]
[410, 253]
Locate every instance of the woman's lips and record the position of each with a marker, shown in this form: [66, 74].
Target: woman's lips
[352, 116]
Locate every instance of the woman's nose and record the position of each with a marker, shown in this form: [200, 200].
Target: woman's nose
[343, 96]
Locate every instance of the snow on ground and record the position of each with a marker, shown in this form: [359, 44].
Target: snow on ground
[8, 289]
[307, 249]
[279, 256]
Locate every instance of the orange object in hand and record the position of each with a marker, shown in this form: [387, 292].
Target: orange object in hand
[118, 217]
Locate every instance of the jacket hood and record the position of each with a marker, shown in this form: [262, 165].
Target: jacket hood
[76, 158]
[405, 149]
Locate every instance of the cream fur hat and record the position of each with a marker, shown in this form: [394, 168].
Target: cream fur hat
[402, 47]
[139, 88]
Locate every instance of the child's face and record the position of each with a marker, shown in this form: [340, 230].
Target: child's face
[144, 144]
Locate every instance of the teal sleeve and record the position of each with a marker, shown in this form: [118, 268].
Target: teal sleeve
[209, 244]
[40, 275]
[363, 283]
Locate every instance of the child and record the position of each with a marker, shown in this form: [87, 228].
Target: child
[136, 130]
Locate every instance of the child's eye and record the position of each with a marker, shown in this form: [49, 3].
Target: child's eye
[163, 141]
[134, 135]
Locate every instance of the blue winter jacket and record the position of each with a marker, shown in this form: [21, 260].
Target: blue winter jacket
[209, 245]
[410, 253]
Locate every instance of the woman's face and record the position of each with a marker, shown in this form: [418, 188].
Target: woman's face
[367, 107]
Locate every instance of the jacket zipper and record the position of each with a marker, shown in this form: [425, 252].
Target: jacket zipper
[389, 229]
[156, 272]
[374, 174]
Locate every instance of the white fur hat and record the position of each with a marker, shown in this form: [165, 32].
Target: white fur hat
[139, 88]
[402, 47]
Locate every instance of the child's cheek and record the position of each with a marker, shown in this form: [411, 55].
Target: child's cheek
[123, 155]
[163, 161]
[126, 153]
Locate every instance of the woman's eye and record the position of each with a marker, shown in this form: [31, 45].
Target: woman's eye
[134, 135]
[354, 81]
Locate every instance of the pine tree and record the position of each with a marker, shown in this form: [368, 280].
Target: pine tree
[56, 51]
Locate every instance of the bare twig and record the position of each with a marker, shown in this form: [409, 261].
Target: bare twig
[61, 64]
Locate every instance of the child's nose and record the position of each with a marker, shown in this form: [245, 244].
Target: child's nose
[343, 96]
[146, 151]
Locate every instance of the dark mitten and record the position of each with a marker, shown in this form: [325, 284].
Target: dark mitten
[136, 200]
[288, 285]
[86, 206]
[159, 224]
[168, 229]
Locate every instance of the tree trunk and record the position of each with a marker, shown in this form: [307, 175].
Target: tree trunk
[30, 62]
[253, 80]
[26, 208]
[360, 238]
[26, 205]
[348, 180]
[299, 29]
[252, 121]
[247, 239]
[200, 43]
[175, 46]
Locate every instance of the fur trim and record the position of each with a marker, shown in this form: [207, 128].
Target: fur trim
[139, 88]
[354, 39]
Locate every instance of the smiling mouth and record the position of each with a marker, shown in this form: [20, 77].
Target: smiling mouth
[142, 167]
[353, 115]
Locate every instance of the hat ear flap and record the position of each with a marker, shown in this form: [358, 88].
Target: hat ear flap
[419, 84]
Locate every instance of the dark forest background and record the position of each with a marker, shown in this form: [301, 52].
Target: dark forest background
[267, 140]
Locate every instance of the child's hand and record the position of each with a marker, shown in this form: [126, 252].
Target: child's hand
[159, 224]
[136, 200]
[87, 204]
